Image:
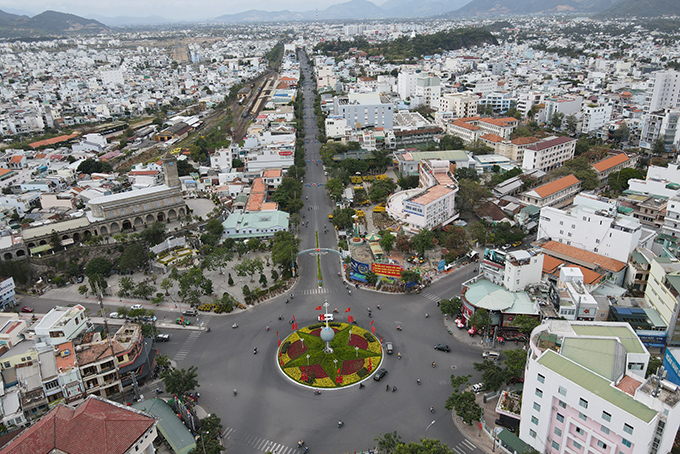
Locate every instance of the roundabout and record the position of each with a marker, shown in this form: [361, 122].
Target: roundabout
[329, 355]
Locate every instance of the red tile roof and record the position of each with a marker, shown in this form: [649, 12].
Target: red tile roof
[525, 140]
[556, 186]
[464, 125]
[629, 385]
[16, 159]
[492, 138]
[52, 141]
[610, 162]
[583, 256]
[551, 143]
[97, 426]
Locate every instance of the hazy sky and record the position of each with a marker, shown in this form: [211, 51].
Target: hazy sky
[170, 9]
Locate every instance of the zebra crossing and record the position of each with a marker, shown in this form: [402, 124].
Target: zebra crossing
[186, 347]
[431, 297]
[464, 447]
[257, 443]
[314, 291]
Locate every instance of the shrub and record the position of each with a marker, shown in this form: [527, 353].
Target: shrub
[285, 346]
[369, 337]
[362, 372]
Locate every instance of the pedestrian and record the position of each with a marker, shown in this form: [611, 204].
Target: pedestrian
[387, 387]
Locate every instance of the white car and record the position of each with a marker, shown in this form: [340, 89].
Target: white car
[136, 306]
[115, 315]
[477, 388]
[491, 355]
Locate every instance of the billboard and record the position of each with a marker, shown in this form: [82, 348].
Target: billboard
[383, 269]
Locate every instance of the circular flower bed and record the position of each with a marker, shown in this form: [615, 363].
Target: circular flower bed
[345, 366]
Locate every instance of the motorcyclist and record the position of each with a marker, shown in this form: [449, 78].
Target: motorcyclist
[418, 380]
[433, 364]
[431, 408]
[255, 351]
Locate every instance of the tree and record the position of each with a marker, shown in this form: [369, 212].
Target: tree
[449, 142]
[659, 147]
[493, 375]
[166, 284]
[209, 434]
[288, 195]
[214, 226]
[125, 285]
[82, 289]
[480, 319]
[381, 189]
[387, 241]
[470, 194]
[335, 188]
[525, 324]
[410, 276]
[97, 284]
[408, 182]
[143, 290]
[426, 446]
[570, 124]
[467, 173]
[154, 234]
[230, 281]
[98, 266]
[90, 166]
[342, 218]
[263, 280]
[456, 242]
[451, 306]
[55, 241]
[515, 362]
[192, 284]
[618, 181]
[654, 363]
[219, 258]
[248, 267]
[133, 257]
[556, 120]
[180, 381]
[479, 147]
[423, 241]
[284, 250]
[388, 443]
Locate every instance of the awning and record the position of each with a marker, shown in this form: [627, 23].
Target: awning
[358, 277]
[39, 249]
[510, 441]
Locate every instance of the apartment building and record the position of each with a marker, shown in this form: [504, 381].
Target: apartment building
[557, 193]
[663, 294]
[595, 116]
[62, 324]
[593, 228]
[436, 206]
[663, 91]
[548, 154]
[472, 128]
[7, 293]
[365, 109]
[462, 105]
[612, 164]
[671, 223]
[428, 87]
[585, 391]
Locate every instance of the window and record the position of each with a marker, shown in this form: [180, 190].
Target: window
[580, 431]
[558, 431]
[537, 407]
[573, 226]
[605, 430]
[534, 420]
[541, 378]
[559, 417]
[555, 446]
[577, 445]
[601, 444]
[626, 443]
[539, 393]
[532, 433]
[606, 416]
[561, 232]
[583, 403]
[582, 416]
[628, 429]
[562, 391]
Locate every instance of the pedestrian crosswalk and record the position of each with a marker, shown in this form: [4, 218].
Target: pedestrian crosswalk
[186, 347]
[431, 297]
[314, 291]
[464, 447]
[255, 443]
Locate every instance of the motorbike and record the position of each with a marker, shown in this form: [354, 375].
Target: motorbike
[399, 328]
[394, 389]
[286, 300]
[340, 423]
[434, 364]
[317, 392]
[350, 292]
[280, 317]
[234, 391]
[255, 351]
[426, 315]
[418, 380]
[207, 330]
[267, 328]
[361, 385]
[335, 310]
[431, 409]
[234, 325]
[158, 390]
[301, 443]
[292, 296]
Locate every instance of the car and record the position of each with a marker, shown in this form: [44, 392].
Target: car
[477, 388]
[505, 247]
[162, 337]
[182, 321]
[190, 311]
[27, 309]
[149, 318]
[80, 279]
[380, 374]
[517, 244]
[389, 348]
[115, 315]
[136, 307]
[442, 348]
[491, 355]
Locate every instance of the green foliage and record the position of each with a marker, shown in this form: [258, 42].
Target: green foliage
[465, 406]
[387, 240]
[208, 436]
[381, 189]
[423, 241]
[98, 266]
[618, 181]
[654, 363]
[410, 276]
[501, 177]
[515, 362]
[55, 241]
[470, 194]
[154, 235]
[214, 226]
[125, 285]
[480, 319]
[90, 166]
[342, 218]
[460, 380]
[134, 256]
[455, 239]
[82, 289]
[493, 375]
[466, 173]
[451, 306]
[180, 381]
[184, 168]
[408, 182]
[284, 250]
[449, 142]
[143, 290]
[425, 446]
[582, 169]
[335, 188]
[248, 267]
[525, 324]
[288, 195]
[479, 147]
[556, 120]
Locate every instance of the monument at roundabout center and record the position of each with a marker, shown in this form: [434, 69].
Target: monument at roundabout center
[329, 354]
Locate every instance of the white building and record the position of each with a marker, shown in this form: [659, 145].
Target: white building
[365, 109]
[336, 126]
[662, 181]
[406, 84]
[429, 88]
[548, 154]
[663, 91]
[436, 206]
[522, 268]
[575, 301]
[7, 293]
[61, 324]
[462, 105]
[585, 391]
[595, 116]
[221, 160]
[592, 227]
[671, 223]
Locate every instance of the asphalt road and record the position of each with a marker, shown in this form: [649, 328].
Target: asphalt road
[272, 413]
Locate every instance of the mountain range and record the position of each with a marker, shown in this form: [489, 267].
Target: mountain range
[48, 23]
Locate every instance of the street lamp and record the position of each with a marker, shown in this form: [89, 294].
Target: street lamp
[308, 360]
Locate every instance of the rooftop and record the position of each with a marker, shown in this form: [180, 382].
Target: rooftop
[580, 255]
[550, 143]
[431, 194]
[556, 186]
[610, 162]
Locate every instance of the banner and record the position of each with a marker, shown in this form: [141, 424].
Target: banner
[384, 269]
[348, 309]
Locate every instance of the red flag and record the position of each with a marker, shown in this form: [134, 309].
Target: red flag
[279, 342]
[373, 329]
[350, 319]
[348, 309]
[277, 334]
[293, 318]
[371, 322]
[318, 308]
[295, 326]
[381, 340]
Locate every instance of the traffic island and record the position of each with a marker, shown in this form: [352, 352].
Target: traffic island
[330, 355]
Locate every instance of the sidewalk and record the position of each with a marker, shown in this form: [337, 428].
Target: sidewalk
[480, 438]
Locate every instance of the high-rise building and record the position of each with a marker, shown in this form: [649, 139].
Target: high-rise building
[663, 91]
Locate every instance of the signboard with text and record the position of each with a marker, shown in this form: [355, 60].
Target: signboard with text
[383, 269]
